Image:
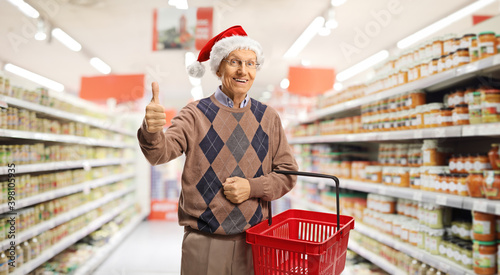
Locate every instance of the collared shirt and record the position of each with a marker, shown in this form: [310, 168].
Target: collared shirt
[226, 101]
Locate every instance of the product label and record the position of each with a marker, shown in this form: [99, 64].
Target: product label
[468, 165]
[482, 227]
[460, 117]
[427, 156]
[442, 249]
[463, 60]
[460, 166]
[453, 165]
[490, 108]
[404, 234]
[484, 260]
[433, 219]
[487, 47]
[478, 166]
[396, 180]
[449, 63]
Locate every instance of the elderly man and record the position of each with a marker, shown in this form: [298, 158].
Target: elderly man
[232, 145]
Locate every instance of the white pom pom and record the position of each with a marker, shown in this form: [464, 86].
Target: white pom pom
[196, 69]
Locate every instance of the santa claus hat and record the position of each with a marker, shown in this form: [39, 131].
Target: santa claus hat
[219, 47]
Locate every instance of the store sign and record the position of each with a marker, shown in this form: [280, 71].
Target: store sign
[165, 210]
[123, 88]
[307, 81]
[204, 26]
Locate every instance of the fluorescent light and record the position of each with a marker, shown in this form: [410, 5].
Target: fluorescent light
[180, 4]
[324, 31]
[338, 86]
[197, 92]
[99, 65]
[25, 8]
[66, 40]
[305, 37]
[285, 83]
[51, 84]
[410, 40]
[362, 66]
[337, 3]
[40, 35]
[332, 24]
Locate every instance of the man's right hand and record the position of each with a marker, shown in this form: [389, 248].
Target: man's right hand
[155, 113]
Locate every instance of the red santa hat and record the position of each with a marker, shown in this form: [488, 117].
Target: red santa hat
[219, 47]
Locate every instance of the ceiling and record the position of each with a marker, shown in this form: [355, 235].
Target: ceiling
[120, 33]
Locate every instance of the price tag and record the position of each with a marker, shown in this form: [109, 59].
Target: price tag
[493, 129]
[86, 166]
[417, 196]
[441, 200]
[384, 136]
[469, 130]
[418, 134]
[480, 206]
[444, 267]
[440, 132]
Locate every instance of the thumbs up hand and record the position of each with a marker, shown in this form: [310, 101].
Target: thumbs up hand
[155, 113]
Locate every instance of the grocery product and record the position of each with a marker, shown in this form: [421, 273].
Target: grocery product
[491, 184]
[487, 44]
[485, 257]
[484, 226]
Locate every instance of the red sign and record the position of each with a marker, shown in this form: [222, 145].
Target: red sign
[121, 87]
[204, 22]
[310, 81]
[165, 210]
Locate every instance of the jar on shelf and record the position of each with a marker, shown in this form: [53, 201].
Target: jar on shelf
[462, 184]
[433, 66]
[445, 117]
[431, 114]
[401, 177]
[448, 43]
[417, 119]
[487, 44]
[441, 66]
[494, 156]
[448, 61]
[475, 184]
[469, 163]
[465, 41]
[460, 115]
[437, 47]
[415, 178]
[491, 184]
[461, 57]
[497, 37]
[481, 163]
[490, 102]
[432, 154]
[433, 241]
[485, 257]
[483, 226]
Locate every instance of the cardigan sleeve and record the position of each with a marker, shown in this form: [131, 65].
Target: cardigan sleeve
[273, 185]
[164, 146]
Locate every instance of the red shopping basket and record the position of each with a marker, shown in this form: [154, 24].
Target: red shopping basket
[301, 242]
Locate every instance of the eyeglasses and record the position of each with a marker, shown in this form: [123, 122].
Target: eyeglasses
[239, 63]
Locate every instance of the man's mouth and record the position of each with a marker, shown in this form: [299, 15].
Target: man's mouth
[240, 80]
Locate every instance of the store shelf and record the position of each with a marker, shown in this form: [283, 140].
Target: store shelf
[434, 82]
[375, 259]
[64, 165]
[486, 129]
[44, 226]
[55, 113]
[61, 138]
[105, 251]
[436, 261]
[68, 241]
[50, 195]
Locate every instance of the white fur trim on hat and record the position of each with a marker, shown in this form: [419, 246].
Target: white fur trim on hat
[225, 46]
[196, 69]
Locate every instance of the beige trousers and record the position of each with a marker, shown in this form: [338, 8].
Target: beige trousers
[206, 255]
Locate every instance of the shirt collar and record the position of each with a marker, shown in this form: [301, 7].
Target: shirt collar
[226, 101]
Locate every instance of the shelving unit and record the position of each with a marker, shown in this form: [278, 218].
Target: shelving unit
[374, 258]
[66, 191]
[436, 261]
[104, 251]
[44, 226]
[69, 240]
[64, 165]
[55, 113]
[431, 83]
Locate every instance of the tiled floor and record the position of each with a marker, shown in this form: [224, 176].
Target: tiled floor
[153, 248]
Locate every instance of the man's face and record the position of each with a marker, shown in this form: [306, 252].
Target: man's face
[238, 78]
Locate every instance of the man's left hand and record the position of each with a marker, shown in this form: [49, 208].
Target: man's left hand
[236, 189]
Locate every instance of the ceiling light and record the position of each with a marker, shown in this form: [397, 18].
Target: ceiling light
[338, 86]
[66, 40]
[51, 84]
[197, 92]
[284, 83]
[410, 40]
[305, 62]
[337, 3]
[41, 33]
[100, 65]
[332, 24]
[362, 66]
[324, 31]
[25, 8]
[305, 37]
[40, 36]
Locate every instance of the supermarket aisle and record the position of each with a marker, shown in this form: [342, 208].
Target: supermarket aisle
[153, 248]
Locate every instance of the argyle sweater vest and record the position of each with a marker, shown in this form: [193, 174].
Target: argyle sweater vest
[220, 142]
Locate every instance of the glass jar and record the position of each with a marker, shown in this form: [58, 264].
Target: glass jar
[437, 47]
[435, 237]
[475, 184]
[441, 66]
[485, 257]
[498, 46]
[462, 184]
[494, 156]
[490, 102]
[481, 163]
[491, 184]
[483, 226]
[465, 41]
[415, 178]
[433, 112]
[452, 164]
[487, 44]
[448, 61]
[445, 117]
[418, 118]
[432, 155]
[474, 50]
[462, 57]
[460, 115]
[414, 99]
[433, 66]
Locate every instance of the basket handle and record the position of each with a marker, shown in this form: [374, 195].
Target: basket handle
[309, 174]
